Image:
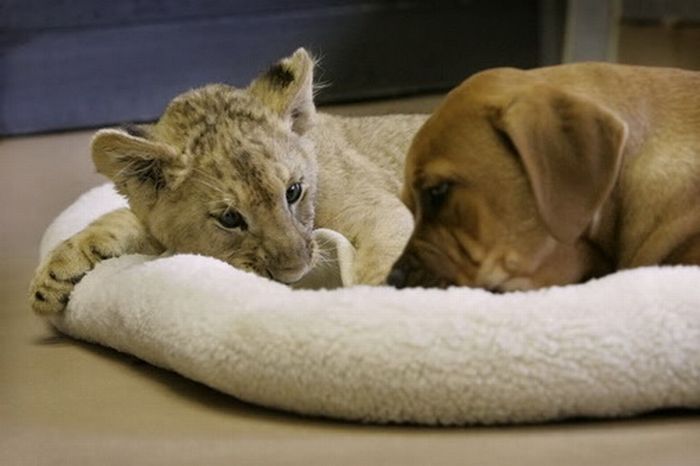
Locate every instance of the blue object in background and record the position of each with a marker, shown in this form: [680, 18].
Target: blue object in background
[81, 63]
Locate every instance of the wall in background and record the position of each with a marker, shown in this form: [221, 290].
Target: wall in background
[660, 33]
[81, 63]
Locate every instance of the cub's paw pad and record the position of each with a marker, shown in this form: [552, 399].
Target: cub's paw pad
[99, 254]
[49, 296]
[56, 277]
[72, 280]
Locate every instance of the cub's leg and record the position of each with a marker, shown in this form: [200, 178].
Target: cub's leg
[114, 234]
[383, 232]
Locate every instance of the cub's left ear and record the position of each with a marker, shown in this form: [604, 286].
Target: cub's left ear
[287, 88]
[571, 149]
[138, 166]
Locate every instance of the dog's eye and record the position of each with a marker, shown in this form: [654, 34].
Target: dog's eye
[437, 194]
[231, 219]
[293, 193]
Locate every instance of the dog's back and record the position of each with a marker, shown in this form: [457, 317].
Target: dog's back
[659, 183]
[556, 174]
[653, 101]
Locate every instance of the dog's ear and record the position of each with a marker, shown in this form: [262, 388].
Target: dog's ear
[138, 166]
[287, 89]
[571, 149]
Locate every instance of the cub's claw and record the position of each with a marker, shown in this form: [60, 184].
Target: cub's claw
[114, 234]
[65, 266]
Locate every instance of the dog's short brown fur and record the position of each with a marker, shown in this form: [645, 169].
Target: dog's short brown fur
[523, 179]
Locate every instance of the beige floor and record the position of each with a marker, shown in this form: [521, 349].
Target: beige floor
[66, 402]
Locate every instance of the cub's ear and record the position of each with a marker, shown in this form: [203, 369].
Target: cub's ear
[571, 149]
[287, 88]
[136, 164]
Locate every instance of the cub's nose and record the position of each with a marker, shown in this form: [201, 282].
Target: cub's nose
[288, 275]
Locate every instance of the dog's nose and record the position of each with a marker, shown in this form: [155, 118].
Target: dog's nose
[397, 277]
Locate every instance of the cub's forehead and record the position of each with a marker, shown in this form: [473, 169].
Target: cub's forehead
[221, 119]
[227, 132]
[255, 156]
[247, 158]
[213, 104]
[246, 177]
[243, 178]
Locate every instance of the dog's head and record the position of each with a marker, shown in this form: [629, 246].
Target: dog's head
[503, 180]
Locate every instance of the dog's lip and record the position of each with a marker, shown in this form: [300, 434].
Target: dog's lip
[503, 284]
[453, 274]
[516, 284]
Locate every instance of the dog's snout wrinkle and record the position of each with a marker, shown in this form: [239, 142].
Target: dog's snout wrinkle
[471, 248]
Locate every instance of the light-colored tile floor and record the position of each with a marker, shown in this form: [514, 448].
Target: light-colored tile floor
[65, 402]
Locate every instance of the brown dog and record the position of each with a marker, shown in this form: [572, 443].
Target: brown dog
[523, 179]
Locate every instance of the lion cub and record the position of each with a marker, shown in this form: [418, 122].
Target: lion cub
[245, 175]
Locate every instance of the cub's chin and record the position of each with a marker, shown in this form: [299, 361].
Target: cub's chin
[291, 273]
[289, 276]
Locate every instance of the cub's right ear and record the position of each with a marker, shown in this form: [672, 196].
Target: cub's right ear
[136, 164]
[287, 89]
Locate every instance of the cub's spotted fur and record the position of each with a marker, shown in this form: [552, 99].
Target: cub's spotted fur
[245, 175]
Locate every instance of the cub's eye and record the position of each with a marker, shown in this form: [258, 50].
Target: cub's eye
[293, 193]
[436, 195]
[231, 219]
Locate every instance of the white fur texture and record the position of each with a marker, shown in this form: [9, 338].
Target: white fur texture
[621, 345]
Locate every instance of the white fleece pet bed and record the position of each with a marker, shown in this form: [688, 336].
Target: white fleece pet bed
[621, 345]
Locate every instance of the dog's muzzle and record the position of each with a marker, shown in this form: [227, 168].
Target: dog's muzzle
[409, 271]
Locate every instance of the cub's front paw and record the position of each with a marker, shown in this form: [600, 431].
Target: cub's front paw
[62, 269]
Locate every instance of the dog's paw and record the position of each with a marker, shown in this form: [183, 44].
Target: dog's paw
[63, 268]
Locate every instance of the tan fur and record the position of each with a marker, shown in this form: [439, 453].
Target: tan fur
[523, 179]
[219, 149]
